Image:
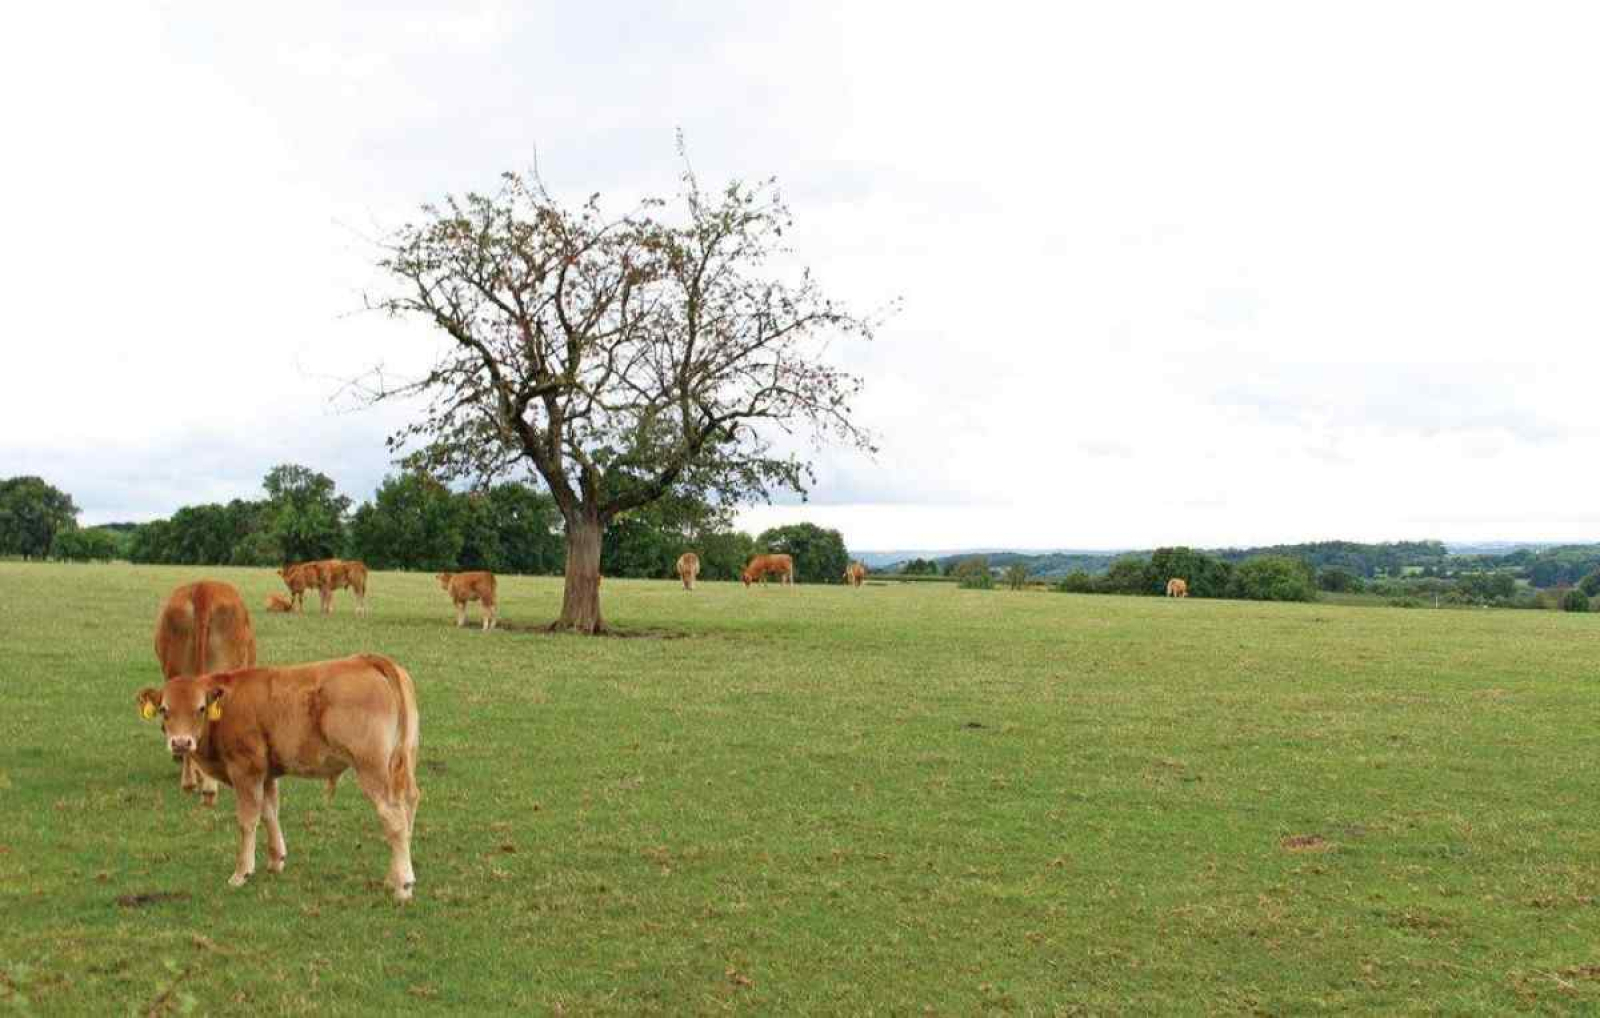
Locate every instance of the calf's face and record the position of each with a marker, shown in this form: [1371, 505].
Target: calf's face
[444, 580]
[185, 706]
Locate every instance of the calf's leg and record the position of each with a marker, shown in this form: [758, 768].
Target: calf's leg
[396, 819]
[277, 850]
[249, 794]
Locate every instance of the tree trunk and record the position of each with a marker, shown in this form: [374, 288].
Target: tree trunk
[580, 601]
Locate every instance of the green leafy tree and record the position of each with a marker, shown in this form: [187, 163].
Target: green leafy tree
[1590, 584]
[1273, 578]
[1129, 574]
[86, 545]
[1016, 576]
[624, 360]
[413, 522]
[819, 554]
[723, 554]
[1338, 580]
[152, 543]
[31, 513]
[1076, 582]
[1206, 575]
[1574, 600]
[920, 567]
[525, 522]
[304, 513]
[973, 573]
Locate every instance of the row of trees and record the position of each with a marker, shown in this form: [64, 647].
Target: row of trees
[412, 522]
[1263, 578]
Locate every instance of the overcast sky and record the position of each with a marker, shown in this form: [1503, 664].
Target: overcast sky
[1219, 273]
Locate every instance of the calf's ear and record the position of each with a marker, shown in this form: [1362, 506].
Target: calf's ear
[148, 701]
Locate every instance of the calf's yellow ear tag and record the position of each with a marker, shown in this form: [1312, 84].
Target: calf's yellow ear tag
[214, 712]
[147, 710]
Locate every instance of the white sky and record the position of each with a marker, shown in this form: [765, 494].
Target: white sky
[1221, 273]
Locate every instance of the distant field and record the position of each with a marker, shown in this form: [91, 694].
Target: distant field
[892, 799]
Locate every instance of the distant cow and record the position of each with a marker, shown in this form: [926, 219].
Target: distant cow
[688, 569]
[252, 726]
[276, 603]
[338, 574]
[1177, 587]
[478, 586]
[299, 578]
[855, 573]
[762, 565]
[203, 627]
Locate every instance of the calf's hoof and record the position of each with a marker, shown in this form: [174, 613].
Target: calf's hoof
[403, 892]
[208, 798]
[238, 879]
[277, 865]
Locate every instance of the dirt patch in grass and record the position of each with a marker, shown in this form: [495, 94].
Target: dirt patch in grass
[543, 629]
[146, 898]
[1305, 843]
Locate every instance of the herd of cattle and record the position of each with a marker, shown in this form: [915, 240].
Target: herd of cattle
[228, 721]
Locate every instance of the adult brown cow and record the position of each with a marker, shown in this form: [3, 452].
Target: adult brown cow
[338, 574]
[855, 573]
[477, 586]
[688, 569]
[203, 627]
[252, 726]
[761, 565]
[276, 603]
[1177, 587]
[299, 578]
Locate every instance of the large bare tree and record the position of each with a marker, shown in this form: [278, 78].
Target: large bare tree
[663, 352]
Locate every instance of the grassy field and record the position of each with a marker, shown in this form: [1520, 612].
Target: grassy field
[887, 800]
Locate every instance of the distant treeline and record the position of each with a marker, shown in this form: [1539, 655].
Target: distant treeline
[412, 522]
[1552, 567]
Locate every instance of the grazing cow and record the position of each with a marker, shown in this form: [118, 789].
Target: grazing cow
[464, 587]
[761, 565]
[250, 727]
[1177, 587]
[203, 627]
[688, 569]
[337, 574]
[855, 573]
[299, 578]
[276, 603]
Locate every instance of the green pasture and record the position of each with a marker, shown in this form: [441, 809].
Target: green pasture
[901, 799]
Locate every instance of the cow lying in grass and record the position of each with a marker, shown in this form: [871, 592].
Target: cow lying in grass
[276, 603]
[477, 586]
[249, 727]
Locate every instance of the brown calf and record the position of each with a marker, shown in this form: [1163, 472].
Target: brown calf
[248, 728]
[338, 574]
[477, 586]
[203, 627]
[276, 603]
[688, 569]
[300, 578]
[1177, 587]
[855, 573]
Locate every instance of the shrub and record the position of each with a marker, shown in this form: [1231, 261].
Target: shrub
[1590, 584]
[1575, 600]
[1016, 576]
[1273, 578]
[1339, 581]
[1076, 582]
[974, 573]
